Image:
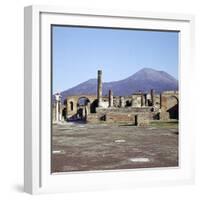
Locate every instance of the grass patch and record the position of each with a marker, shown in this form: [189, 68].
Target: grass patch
[127, 124]
[164, 124]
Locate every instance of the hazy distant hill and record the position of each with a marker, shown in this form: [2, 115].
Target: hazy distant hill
[143, 80]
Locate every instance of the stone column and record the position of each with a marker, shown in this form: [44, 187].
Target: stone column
[54, 111]
[86, 113]
[60, 111]
[145, 99]
[132, 101]
[83, 112]
[152, 97]
[142, 100]
[99, 88]
[58, 107]
[160, 100]
[122, 102]
[57, 111]
[88, 107]
[110, 98]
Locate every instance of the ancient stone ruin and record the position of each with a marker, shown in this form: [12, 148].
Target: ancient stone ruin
[138, 108]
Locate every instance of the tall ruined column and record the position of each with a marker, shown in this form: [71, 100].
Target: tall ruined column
[60, 111]
[160, 100]
[99, 88]
[110, 98]
[132, 101]
[146, 101]
[88, 107]
[57, 110]
[58, 107]
[54, 112]
[142, 100]
[122, 102]
[152, 97]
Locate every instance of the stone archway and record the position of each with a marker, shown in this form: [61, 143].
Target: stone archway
[83, 108]
[80, 105]
[169, 102]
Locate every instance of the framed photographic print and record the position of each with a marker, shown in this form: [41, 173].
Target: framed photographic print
[106, 95]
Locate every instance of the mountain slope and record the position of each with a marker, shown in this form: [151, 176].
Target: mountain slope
[143, 80]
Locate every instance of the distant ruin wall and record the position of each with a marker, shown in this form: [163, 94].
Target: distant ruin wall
[136, 107]
[135, 116]
[169, 105]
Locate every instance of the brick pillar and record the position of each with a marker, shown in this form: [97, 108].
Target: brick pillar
[110, 98]
[99, 88]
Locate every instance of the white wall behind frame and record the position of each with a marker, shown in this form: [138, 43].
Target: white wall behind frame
[11, 87]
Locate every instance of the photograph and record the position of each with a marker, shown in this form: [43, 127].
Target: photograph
[114, 98]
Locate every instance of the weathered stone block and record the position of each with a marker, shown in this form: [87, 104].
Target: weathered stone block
[119, 117]
[164, 115]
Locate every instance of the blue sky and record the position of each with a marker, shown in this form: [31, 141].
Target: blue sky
[78, 53]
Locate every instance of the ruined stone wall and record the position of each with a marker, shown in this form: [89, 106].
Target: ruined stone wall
[71, 103]
[129, 101]
[138, 100]
[116, 101]
[169, 105]
[105, 103]
[165, 107]
[138, 119]
[157, 101]
[71, 106]
[135, 116]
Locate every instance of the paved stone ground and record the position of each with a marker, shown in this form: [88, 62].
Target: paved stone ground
[85, 147]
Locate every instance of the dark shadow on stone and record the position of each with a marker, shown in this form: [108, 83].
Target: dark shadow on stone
[93, 106]
[173, 112]
[103, 118]
[156, 116]
[128, 103]
[64, 114]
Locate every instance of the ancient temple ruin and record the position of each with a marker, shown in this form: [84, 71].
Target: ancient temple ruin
[138, 108]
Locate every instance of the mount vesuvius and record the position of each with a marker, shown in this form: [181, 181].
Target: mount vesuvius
[144, 80]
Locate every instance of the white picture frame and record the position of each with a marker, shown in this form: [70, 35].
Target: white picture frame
[37, 134]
